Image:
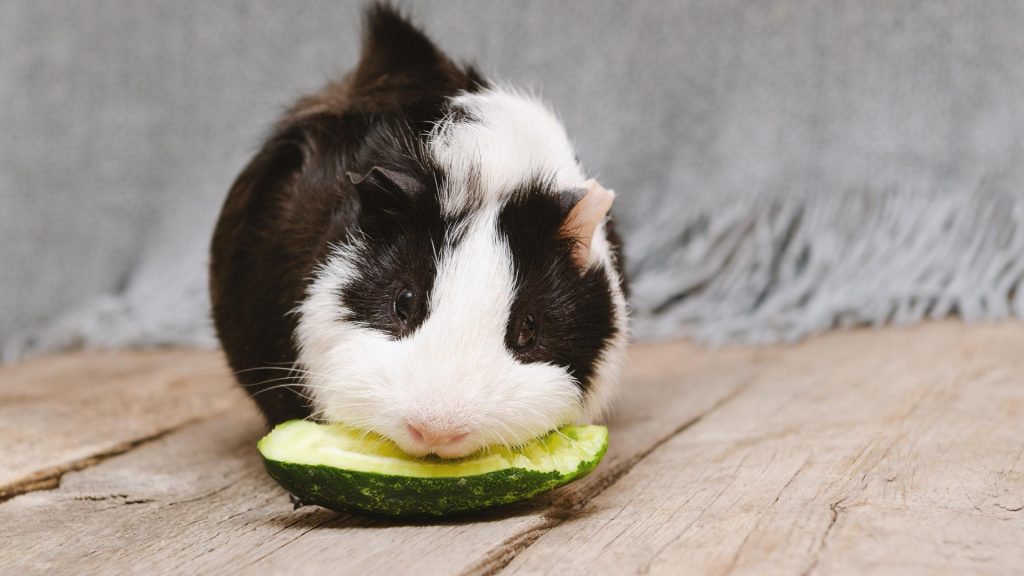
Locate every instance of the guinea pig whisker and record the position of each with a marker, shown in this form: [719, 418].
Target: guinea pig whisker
[527, 432]
[269, 380]
[255, 368]
[284, 365]
[351, 405]
[358, 423]
[296, 385]
[291, 386]
[345, 405]
[289, 381]
[559, 432]
[511, 431]
[540, 416]
[286, 382]
[292, 369]
[501, 439]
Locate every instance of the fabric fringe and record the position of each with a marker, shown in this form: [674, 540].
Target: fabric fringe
[753, 272]
[782, 269]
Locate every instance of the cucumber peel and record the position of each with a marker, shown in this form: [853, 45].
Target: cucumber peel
[347, 470]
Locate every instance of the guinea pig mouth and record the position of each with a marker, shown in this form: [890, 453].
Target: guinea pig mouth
[425, 442]
[439, 454]
[447, 455]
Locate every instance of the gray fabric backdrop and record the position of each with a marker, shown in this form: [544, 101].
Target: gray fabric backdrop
[729, 128]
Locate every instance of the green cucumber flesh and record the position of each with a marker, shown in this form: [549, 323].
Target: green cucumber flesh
[347, 470]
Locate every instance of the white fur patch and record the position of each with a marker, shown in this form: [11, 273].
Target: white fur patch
[508, 138]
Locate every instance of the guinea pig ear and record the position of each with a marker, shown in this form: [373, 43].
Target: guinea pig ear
[395, 53]
[383, 194]
[590, 207]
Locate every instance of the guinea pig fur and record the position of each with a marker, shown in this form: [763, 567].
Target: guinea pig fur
[417, 252]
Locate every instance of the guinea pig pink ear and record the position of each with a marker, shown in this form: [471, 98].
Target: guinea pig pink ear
[585, 216]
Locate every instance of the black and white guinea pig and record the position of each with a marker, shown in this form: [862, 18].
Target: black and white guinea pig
[418, 253]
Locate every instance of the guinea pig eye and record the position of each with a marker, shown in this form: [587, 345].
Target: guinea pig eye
[527, 332]
[403, 304]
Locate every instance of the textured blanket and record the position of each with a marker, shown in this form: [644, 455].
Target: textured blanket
[783, 167]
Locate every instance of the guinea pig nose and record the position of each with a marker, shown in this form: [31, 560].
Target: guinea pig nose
[434, 437]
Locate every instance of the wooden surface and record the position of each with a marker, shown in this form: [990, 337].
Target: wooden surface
[68, 412]
[896, 451]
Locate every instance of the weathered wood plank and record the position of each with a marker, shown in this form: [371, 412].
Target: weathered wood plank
[196, 500]
[61, 413]
[899, 451]
[854, 453]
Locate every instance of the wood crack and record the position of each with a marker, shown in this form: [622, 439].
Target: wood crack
[836, 507]
[50, 478]
[121, 498]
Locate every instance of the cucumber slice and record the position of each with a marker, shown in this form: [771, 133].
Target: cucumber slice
[347, 470]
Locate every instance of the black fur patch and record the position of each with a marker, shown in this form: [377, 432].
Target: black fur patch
[404, 231]
[573, 310]
[295, 199]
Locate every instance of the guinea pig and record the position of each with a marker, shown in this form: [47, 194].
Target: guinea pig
[417, 252]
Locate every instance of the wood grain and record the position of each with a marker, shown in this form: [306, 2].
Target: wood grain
[864, 452]
[65, 412]
[871, 452]
[196, 500]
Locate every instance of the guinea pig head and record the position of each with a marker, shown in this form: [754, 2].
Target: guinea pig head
[480, 299]
[447, 331]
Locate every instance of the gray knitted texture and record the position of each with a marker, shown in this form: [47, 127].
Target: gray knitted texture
[779, 270]
[781, 168]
